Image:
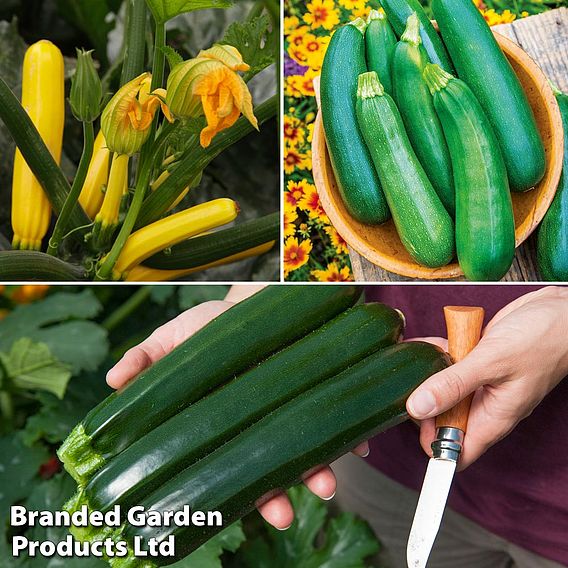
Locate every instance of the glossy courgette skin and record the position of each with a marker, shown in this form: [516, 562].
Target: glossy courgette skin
[356, 177]
[485, 227]
[479, 62]
[203, 426]
[205, 249]
[313, 429]
[552, 244]
[415, 104]
[423, 224]
[398, 12]
[380, 43]
[239, 338]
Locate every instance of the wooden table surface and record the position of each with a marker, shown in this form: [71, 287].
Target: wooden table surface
[545, 39]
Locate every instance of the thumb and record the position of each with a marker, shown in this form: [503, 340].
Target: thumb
[445, 389]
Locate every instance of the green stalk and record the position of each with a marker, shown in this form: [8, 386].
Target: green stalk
[24, 266]
[73, 196]
[256, 10]
[36, 154]
[127, 308]
[7, 408]
[134, 40]
[196, 160]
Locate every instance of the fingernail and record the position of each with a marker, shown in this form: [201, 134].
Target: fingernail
[330, 497]
[422, 404]
[366, 454]
[283, 528]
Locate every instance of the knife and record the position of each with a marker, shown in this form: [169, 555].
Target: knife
[464, 331]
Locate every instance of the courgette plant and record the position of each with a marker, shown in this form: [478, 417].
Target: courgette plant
[158, 132]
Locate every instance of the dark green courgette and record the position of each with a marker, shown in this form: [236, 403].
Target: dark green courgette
[234, 341]
[398, 12]
[485, 228]
[21, 265]
[415, 104]
[313, 429]
[356, 177]
[205, 249]
[380, 42]
[424, 226]
[208, 423]
[480, 62]
[552, 244]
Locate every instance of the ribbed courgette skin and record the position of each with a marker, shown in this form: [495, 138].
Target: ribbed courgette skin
[485, 227]
[23, 266]
[190, 435]
[480, 62]
[313, 429]
[380, 43]
[209, 248]
[552, 244]
[234, 341]
[424, 226]
[422, 124]
[398, 12]
[356, 177]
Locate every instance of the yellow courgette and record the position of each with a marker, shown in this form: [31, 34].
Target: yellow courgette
[43, 97]
[93, 191]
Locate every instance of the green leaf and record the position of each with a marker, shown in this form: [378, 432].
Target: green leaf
[19, 466]
[31, 366]
[256, 42]
[209, 554]
[173, 57]
[164, 10]
[190, 296]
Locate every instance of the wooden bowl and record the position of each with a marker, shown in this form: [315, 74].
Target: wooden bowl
[381, 244]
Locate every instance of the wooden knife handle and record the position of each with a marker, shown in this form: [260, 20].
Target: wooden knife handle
[464, 326]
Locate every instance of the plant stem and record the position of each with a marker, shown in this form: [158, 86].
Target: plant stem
[134, 40]
[73, 196]
[256, 10]
[36, 154]
[127, 308]
[7, 408]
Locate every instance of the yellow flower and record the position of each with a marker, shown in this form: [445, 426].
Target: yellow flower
[290, 215]
[290, 24]
[315, 48]
[361, 11]
[322, 13]
[293, 131]
[493, 18]
[310, 129]
[332, 274]
[311, 203]
[128, 116]
[295, 160]
[295, 191]
[296, 254]
[349, 4]
[210, 85]
[336, 240]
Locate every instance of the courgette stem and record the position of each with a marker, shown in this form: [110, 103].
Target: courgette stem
[412, 31]
[127, 308]
[134, 40]
[369, 86]
[436, 78]
[359, 24]
[73, 197]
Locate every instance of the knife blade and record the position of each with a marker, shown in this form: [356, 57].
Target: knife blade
[464, 331]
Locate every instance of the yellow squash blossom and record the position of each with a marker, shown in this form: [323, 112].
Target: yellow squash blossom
[210, 84]
[128, 116]
[332, 274]
[296, 254]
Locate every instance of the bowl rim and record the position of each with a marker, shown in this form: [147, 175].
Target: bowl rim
[409, 268]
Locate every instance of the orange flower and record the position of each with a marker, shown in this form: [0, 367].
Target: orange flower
[293, 131]
[295, 160]
[336, 240]
[29, 293]
[290, 215]
[295, 254]
[332, 273]
[322, 13]
[311, 203]
[295, 191]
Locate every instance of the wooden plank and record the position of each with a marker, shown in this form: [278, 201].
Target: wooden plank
[545, 38]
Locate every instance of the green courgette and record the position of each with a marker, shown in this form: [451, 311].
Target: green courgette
[25, 266]
[398, 12]
[313, 429]
[356, 177]
[234, 341]
[415, 104]
[424, 226]
[480, 62]
[191, 434]
[552, 244]
[380, 42]
[205, 249]
[485, 227]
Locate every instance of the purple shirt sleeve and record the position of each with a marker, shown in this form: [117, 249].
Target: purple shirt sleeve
[519, 488]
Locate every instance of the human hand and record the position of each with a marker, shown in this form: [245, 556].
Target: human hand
[277, 510]
[521, 357]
